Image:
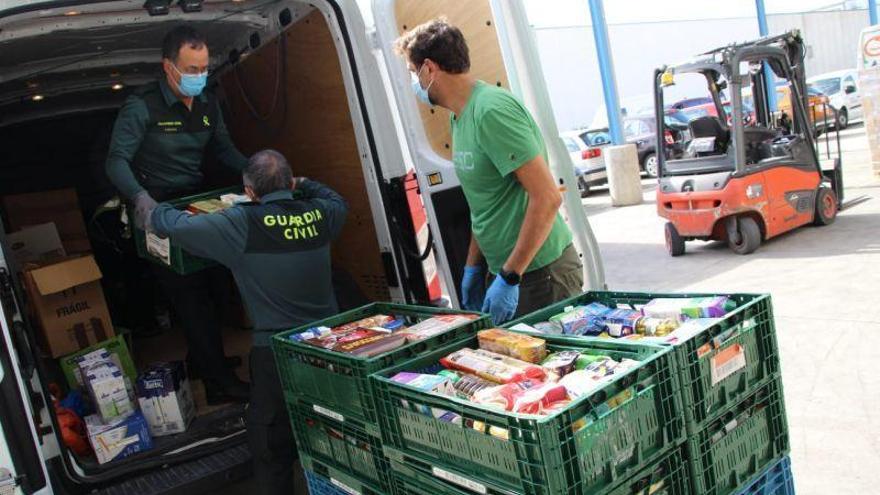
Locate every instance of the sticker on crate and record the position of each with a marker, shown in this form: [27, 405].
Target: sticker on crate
[727, 362]
[327, 412]
[459, 480]
[342, 486]
[158, 247]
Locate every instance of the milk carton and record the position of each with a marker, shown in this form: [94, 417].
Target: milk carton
[118, 439]
[165, 398]
[106, 386]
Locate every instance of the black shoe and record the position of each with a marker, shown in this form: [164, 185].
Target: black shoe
[238, 391]
[230, 362]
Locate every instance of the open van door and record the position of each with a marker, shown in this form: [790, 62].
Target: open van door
[502, 52]
[22, 467]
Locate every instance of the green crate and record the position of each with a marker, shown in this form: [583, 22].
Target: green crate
[342, 480]
[344, 446]
[669, 476]
[750, 326]
[741, 443]
[339, 383]
[178, 260]
[586, 447]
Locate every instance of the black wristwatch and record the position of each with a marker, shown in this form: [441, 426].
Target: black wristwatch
[512, 278]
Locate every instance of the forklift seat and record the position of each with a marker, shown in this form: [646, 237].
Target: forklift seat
[706, 127]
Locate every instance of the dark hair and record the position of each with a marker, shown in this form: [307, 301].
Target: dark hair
[178, 37]
[439, 41]
[267, 171]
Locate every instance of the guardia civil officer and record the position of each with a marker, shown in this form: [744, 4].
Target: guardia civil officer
[278, 249]
[159, 141]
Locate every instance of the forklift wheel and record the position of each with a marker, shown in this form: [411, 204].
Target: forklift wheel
[826, 206]
[749, 236]
[674, 242]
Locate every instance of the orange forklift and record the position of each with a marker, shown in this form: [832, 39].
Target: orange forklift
[755, 174]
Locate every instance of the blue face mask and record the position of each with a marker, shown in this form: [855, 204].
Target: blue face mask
[191, 85]
[422, 93]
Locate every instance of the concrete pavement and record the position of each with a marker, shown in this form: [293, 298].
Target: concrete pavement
[823, 281]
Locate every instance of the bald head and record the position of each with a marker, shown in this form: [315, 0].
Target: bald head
[267, 171]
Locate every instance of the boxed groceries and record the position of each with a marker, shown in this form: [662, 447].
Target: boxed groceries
[60, 207]
[35, 244]
[67, 301]
[113, 349]
[108, 389]
[165, 398]
[118, 439]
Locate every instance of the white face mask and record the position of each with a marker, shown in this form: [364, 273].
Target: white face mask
[422, 93]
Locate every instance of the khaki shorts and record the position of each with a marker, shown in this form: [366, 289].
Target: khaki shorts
[555, 282]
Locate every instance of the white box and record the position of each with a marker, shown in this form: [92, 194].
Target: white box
[106, 385]
[118, 439]
[165, 398]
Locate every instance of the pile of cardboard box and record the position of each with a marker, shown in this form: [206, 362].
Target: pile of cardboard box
[51, 253]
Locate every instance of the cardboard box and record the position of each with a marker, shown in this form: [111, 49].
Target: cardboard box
[36, 244]
[119, 439]
[166, 399]
[60, 207]
[118, 354]
[108, 391]
[68, 303]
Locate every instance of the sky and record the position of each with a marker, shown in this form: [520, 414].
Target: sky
[547, 13]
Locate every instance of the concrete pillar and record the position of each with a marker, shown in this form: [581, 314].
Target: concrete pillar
[624, 178]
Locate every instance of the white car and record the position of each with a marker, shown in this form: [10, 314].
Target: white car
[589, 164]
[842, 90]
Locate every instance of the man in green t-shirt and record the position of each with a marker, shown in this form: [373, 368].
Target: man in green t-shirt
[501, 162]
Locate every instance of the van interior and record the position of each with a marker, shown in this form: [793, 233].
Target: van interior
[66, 68]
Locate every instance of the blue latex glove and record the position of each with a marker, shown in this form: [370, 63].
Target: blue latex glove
[473, 287]
[501, 301]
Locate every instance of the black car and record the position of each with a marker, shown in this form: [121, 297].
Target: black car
[642, 131]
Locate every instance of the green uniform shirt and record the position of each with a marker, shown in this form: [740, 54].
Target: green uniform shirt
[158, 143]
[494, 136]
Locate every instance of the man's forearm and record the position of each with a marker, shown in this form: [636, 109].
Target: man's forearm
[536, 227]
[120, 175]
[475, 256]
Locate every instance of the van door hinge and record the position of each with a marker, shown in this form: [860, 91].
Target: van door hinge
[8, 483]
[373, 36]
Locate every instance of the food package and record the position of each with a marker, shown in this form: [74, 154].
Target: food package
[120, 438]
[656, 327]
[517, 363]
[372, 321]
[492, 367]
[504, 396]
[549, 327]
[595, 375]
[372, 345]
[312, 333]
[207, 206]
[468, 385]
[621, 322]
[428, 383]
[519, 346]
[689, 307]
[525, 397]
[435, 326]
[582, 320]
[165, 398]
[561, 363]
[335, 339]
[107, 388]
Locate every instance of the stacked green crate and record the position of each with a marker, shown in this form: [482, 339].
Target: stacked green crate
[331, 400]
[730, 383]
[164, 252]
[589, 446]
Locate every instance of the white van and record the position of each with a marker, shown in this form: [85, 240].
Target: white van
[842, 89]
[312, 79]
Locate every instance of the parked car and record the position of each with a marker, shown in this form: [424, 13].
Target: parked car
[842, 90]
[589, 164]
[642, 131]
